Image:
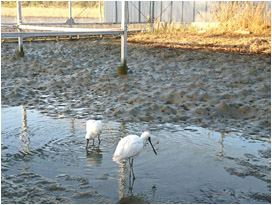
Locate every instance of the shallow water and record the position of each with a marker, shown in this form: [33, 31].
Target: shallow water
[44, 161]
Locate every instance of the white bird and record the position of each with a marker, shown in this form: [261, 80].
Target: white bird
[130, 147]
[93, 129]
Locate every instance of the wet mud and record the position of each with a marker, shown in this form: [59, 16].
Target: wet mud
[209, 113]
[79, 78]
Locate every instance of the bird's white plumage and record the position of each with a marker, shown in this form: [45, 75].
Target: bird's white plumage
[93, 128]
[130, 146]
[127, 147]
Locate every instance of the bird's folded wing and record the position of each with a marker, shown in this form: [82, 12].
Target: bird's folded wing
[128, 147]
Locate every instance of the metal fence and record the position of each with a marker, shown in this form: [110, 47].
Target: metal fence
[26, 30]
[164, 11]
[138, 12]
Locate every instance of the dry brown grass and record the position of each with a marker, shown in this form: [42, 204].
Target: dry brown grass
[247, 16]
[227, 17]
[53, 12]
[248, 44]
[219, 34]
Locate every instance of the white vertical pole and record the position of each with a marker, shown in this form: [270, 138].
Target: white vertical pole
[124, 35]
[70, 20]
[139, 11]
[19, 13]
[116, 10]
[100, 12]
[70, 9]
[19, 22]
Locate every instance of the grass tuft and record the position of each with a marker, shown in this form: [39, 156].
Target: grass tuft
[226, 17]
[246, 16]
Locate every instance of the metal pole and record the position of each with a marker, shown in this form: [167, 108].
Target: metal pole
[152, 16]
[124, 36]
[182, 11]
[194, 13]
[20, 51]
[171, 12]
[70, 20]
[70, 10]
[122, 70]
[100, 12]
[151, 20]
[127, 11]
[161, 13]
[116, 10]
[139, 11]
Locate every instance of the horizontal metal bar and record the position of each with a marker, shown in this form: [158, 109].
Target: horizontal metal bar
[62, 29]
[40, 34]
[93, 23]
[8, 24]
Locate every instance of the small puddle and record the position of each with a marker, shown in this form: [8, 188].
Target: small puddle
[44, 160]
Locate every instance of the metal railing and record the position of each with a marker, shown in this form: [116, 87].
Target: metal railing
[23, 30]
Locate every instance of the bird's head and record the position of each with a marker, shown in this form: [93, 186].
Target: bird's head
[146, 136]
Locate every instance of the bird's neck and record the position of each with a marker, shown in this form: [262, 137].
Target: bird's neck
[144, 139]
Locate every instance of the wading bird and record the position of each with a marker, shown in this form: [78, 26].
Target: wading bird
[93, 129]
[131, 146]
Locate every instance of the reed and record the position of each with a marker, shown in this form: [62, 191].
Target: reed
[242, 15]
[226, 17]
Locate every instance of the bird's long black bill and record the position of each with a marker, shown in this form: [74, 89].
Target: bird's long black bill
[152, 146]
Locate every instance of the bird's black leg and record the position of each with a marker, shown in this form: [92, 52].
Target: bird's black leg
[129, 169]
[99, 139]
[132, 169]
[87, 142]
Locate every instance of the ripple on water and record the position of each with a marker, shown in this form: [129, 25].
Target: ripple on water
[193, 165]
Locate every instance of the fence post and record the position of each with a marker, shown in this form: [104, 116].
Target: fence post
[182, 12]
[161, 13]
[70, 9]
[100, 12]
[116, 10]
[171, 12]
[122, 70]
[152, 14]
[20, 51]
[194, 12]
[139, 11]
[70, 20]
[151, 19]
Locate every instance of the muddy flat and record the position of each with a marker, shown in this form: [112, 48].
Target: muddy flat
[209, 113]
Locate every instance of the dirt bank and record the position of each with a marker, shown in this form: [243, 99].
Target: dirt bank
[235, 42]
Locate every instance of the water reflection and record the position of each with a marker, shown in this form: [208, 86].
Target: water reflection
[24, 148]
[129, 197]
[196, 173]
[125, 198]
[221, 140]
[122, 129]
[94, 157]
[73, 126]
[122, 180]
